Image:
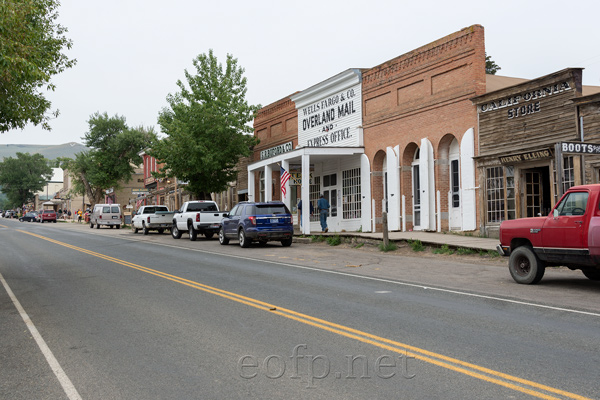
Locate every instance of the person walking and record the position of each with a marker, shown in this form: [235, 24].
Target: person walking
[323, 206]
[312, 210]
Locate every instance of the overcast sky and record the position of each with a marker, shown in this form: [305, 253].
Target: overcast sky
[130, 54]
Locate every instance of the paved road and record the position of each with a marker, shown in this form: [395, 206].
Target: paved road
[129, 316]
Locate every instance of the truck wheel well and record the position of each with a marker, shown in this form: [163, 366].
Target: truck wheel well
[518, 242]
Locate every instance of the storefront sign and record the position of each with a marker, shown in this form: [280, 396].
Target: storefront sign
[149, 180]
[332, 121]
[523, 157]
[580, 148]
[524, 103]
[275, 151]
[296, 178]
[139, 191]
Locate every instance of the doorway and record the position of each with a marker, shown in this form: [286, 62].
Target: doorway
[416, 187]
[536, 201]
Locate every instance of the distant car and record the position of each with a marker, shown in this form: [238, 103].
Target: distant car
[263, 222]
[47, 216]
[29, 217]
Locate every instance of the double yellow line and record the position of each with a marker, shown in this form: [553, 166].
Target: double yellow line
[453, 364]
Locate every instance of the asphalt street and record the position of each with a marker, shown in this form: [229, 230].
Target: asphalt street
[128, 316]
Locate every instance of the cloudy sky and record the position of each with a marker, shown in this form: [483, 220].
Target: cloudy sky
[131, 53]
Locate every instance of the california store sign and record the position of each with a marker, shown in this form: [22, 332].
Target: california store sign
[332, 121]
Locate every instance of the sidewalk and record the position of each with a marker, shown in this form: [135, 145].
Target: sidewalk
[427, 238]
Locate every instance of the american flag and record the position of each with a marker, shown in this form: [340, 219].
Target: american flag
[285, 177]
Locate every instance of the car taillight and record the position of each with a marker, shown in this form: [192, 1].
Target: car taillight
[148, 219]
[100, 217]
[197, 217]
[252, 220]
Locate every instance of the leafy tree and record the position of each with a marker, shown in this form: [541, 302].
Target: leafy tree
[112, 156]
[30, 54]
[23, 176]
[206, 125]
[490, 66]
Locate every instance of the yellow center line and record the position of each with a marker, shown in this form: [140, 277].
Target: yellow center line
[453, 364]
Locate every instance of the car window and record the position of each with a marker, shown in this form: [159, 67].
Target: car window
[105, 209]
[234, 210]
[202, 207]
[574, 203]
[262, 209]
[114, 210]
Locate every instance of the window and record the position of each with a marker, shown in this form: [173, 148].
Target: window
[315, 193]
[568, 173]
[455, 185]
[494, 186]
[351, 196]
[573, 204]
[261, 190]
[511, 212]
[115, 210]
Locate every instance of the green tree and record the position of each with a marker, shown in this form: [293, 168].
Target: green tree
[31, 44]
[112, 156]
[490, 66]
[206, 125]
[23, 176]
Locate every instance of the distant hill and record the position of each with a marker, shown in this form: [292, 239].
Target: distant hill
[49, 151]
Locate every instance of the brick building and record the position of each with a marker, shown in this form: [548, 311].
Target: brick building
[523, 167]
[399, 137]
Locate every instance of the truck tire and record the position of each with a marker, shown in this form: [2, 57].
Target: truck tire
[91, 225]
[135, 230]
[286, 242]
[176, 233]
[209, 235]
[161, 231]
[525, 267]
[145, 228]
[592, 273]
[222, 239]
[97, 226]
[244, 241]
[192, 232]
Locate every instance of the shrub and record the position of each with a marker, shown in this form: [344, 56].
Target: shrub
[334, 240]
[391, 246]
[416, 245]
[445, 249]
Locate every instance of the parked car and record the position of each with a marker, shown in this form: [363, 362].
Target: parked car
[199, 217]
[106, 214]
[149, 218]
[263, 222]
[29, 217]
[568, 236]
[47, 216]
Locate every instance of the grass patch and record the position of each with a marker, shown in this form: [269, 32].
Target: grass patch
[317, 238]
[445, 249]
[463, 251]
[416, 245]
[391, 246]
[358, 246]
[334, 240]
[489, 253]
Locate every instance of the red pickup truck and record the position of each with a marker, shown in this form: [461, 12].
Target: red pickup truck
[569, 236]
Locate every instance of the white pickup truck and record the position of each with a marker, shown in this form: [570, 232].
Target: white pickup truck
[197, 217]
[149, 218]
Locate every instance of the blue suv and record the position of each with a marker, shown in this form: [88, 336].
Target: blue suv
[263, 222]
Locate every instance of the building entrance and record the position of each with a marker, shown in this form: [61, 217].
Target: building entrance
[537, 192]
